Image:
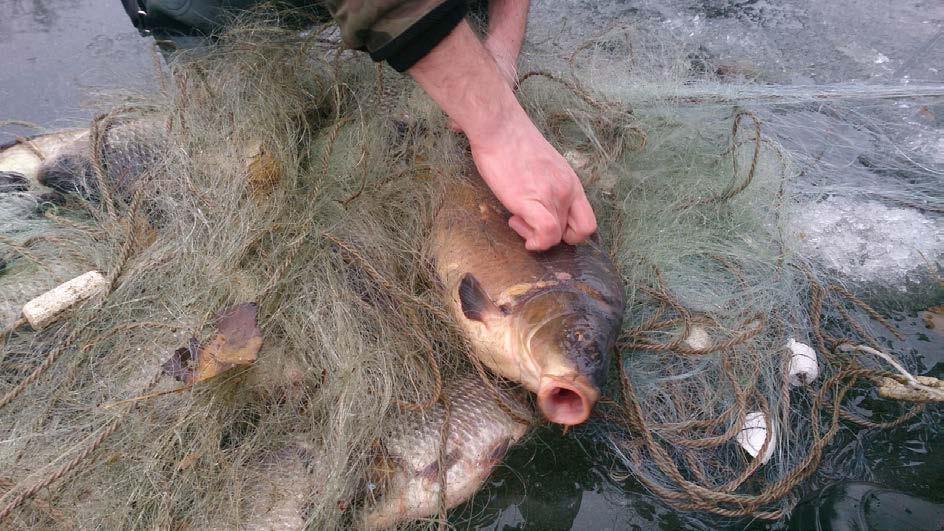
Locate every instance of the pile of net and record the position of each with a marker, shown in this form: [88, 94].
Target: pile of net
[747, 347]
[303, 180]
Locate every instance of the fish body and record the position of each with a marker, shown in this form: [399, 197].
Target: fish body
[62, 160]
[547, 320]
[480, 432]
[21, 200]
[406, 480]
[27, 157]
[403, 482]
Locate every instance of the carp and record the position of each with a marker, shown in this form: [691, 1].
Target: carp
[62, 161]
[404, 475]
[26, 157]
[482, 427]
[547, 320]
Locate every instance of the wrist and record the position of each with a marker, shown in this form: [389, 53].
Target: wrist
[506, 56]
[506, 49]
[499, 121]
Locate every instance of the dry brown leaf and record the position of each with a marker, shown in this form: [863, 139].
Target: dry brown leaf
[241, 334]
[236, 343]
[209, 362]
[263, 171]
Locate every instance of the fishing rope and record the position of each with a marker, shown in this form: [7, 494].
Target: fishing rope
[125, 253]
[663, 444]
[658, 439]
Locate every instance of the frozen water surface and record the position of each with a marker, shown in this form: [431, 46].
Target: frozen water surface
[868, 241]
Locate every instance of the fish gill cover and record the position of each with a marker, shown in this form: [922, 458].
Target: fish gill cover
[304, 180]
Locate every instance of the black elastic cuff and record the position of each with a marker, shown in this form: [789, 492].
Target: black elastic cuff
[417, 41]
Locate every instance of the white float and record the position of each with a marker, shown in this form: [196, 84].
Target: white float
[753, 434]
[804, 367]
[44, 309]
[697, 338]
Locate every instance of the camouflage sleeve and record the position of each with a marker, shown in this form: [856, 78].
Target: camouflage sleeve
[400, 32]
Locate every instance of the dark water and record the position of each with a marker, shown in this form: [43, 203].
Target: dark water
[55, 54]
[870, 479]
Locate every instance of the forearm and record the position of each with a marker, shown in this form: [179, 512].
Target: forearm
[508, 20]
[471, 82]
[463, 78]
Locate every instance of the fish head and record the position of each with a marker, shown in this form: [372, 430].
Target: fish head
[568, 338]
[553, 337]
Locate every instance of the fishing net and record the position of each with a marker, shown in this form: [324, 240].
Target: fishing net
[326, 238]
[722, 222]
[303, 179]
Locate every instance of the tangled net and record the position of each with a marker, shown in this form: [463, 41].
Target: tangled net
[717, 287]
[329, 241]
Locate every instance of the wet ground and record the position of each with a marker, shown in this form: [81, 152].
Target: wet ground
[56, 54]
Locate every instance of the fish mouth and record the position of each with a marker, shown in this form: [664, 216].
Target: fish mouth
[565, 402]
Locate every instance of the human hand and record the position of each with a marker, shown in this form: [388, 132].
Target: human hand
[526, 173]
[535, 183]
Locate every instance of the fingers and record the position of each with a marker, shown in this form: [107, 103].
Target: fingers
[540, 229]
[581, 222]
[518, 224]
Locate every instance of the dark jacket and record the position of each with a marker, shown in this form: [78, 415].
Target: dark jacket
[399, 32]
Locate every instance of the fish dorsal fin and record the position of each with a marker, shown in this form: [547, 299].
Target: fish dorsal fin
[476, 304]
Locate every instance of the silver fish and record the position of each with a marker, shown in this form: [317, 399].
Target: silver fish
[480, 432]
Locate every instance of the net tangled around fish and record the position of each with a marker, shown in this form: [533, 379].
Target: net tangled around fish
[345, 162]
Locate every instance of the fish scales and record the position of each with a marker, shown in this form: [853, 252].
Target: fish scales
[479, 434]
[480, 430]
[406, 474]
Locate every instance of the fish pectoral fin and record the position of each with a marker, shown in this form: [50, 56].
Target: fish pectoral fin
[476, 304]
[432, 471]
[497, 453]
